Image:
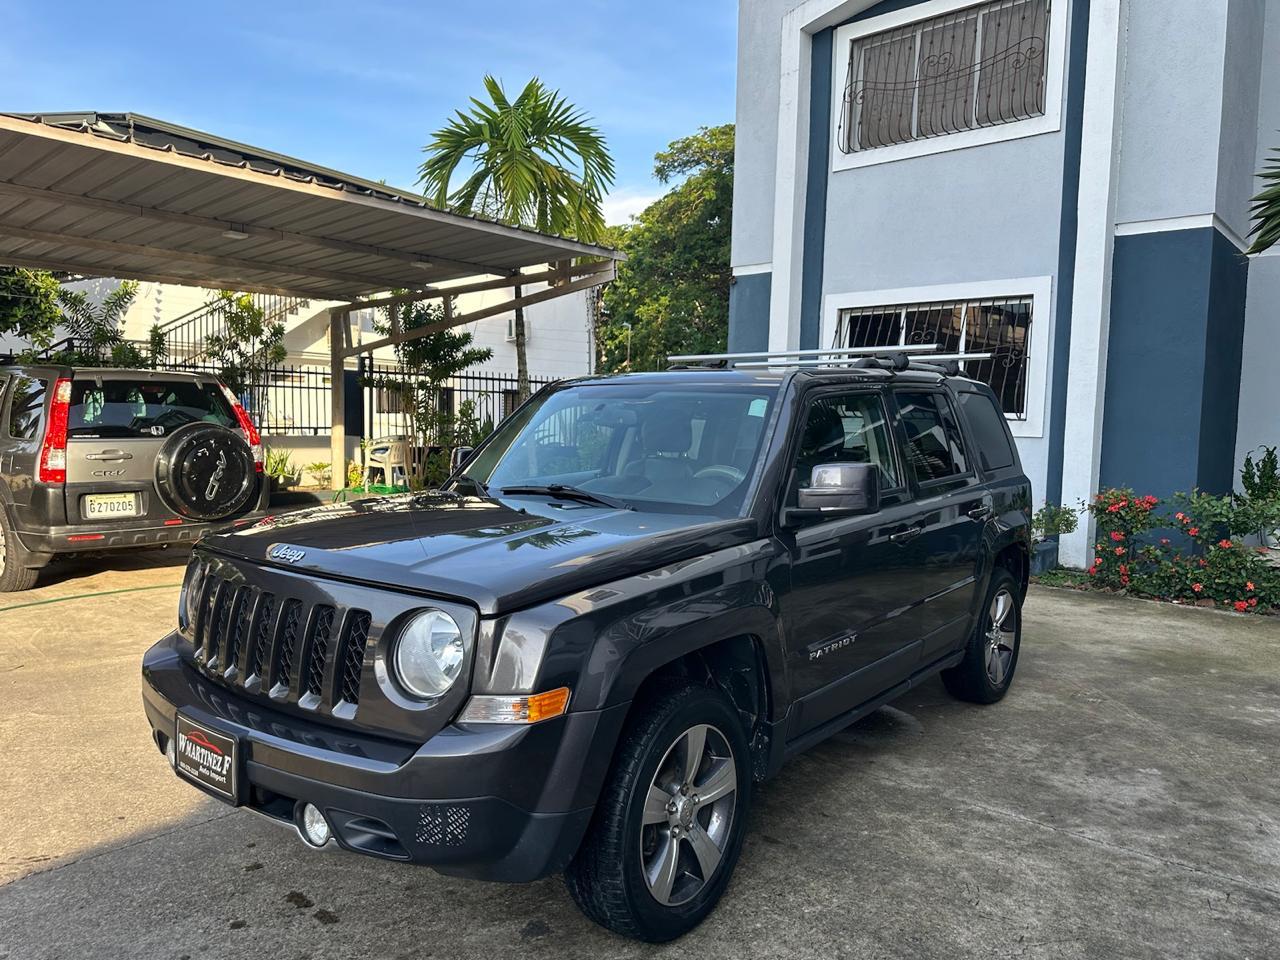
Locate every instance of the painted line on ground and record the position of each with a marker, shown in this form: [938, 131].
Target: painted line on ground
[86, 596]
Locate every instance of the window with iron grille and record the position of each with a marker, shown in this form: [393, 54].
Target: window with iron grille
[999, 326]
[390, 400]
[977, 67]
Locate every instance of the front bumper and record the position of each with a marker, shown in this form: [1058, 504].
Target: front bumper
[490, 802]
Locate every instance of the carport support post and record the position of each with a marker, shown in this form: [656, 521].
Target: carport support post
[337, 393]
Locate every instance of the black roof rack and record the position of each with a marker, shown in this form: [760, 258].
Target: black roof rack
[921, 357]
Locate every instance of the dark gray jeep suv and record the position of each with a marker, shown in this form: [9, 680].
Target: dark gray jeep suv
[106, 459]
[633, 602]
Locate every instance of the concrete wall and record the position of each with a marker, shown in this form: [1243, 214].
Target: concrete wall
[1259, 417]
[756, 140]
[985, 213]
[1173, 361]
[1185, 303]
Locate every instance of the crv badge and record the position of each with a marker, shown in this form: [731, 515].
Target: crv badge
[215, 481]
[287, 553]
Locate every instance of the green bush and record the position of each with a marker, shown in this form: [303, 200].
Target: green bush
[1052, 521]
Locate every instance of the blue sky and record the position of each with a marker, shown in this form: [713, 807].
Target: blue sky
[359, 86]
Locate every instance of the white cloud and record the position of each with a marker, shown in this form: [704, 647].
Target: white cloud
[623, 204]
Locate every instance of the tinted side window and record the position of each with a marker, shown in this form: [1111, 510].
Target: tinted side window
[26, 407]
[989, 432]
[934, 448]
[847, 429]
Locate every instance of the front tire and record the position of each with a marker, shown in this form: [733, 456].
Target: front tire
[670, 821]
[991, 656]
[15, 576]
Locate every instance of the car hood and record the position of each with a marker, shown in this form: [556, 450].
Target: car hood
[499, 555]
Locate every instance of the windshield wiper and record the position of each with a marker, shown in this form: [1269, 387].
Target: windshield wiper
[565, 492]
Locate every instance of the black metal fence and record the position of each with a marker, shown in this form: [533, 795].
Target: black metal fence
[482, 397]
[294, 399]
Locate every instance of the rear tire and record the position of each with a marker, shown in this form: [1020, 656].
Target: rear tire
[15, 576]
[667, 833]
[991, 656]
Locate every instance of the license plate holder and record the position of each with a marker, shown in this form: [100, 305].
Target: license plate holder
[110, 506]
[207, 758]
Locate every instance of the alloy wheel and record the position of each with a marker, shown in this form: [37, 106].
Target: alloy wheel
[688, 815]
[1001, 637]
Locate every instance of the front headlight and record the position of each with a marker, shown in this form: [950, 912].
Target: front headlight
[189, 596]
[429, 654]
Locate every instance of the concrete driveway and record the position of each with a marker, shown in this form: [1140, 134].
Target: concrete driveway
[1121, 802]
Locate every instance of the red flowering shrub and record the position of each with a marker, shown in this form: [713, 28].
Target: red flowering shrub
[1209, 565]
[1120, 516]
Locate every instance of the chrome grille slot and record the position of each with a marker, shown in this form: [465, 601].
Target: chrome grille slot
[219, 621]
[208, 593]
[354, 640]
[246, 596]
[318, 649]
[286, 645]
[261, 636]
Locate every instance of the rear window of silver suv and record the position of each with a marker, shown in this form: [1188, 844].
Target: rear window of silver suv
[120, 409]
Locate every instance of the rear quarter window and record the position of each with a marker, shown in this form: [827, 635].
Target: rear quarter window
[121, 409]
[26, 407]
[987, 424]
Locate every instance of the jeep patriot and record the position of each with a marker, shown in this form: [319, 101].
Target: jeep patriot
[628, 606]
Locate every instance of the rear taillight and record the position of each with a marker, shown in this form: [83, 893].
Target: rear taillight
[53, 452]
[246, 424]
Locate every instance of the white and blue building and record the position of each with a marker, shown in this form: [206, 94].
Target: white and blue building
[1063, 183]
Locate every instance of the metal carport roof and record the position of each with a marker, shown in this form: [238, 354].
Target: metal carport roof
[123, 195]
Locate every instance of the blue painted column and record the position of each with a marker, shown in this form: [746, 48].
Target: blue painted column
[1173, 362]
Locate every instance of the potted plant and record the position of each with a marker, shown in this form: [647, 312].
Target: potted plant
[278, 466]
[1260, 479]
[1048, 523]
[321, 472]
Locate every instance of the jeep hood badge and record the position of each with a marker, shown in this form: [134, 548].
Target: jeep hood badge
[286, 553]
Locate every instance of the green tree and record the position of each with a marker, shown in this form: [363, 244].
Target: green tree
[93, 328]
[1266, 207]
[246, 347]
[29, 304]
[672, 293]
[430, 360]
[536, 161]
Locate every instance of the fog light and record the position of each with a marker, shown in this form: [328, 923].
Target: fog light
[170, 752]
[313, 827]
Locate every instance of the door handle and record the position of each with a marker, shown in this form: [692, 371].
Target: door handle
[905, 536]
[981, 513]
[109, 455]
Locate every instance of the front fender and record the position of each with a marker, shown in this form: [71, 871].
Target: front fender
[603, 642]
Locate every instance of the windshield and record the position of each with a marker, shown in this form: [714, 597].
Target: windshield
[687, 450]
[119, 409]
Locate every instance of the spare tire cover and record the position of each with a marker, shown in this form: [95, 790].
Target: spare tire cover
[205, 472]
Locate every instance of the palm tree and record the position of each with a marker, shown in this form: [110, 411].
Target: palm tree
[535, 162]
[1266, 208]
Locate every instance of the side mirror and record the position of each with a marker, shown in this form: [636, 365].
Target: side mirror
[838, 490]
[459, 457]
